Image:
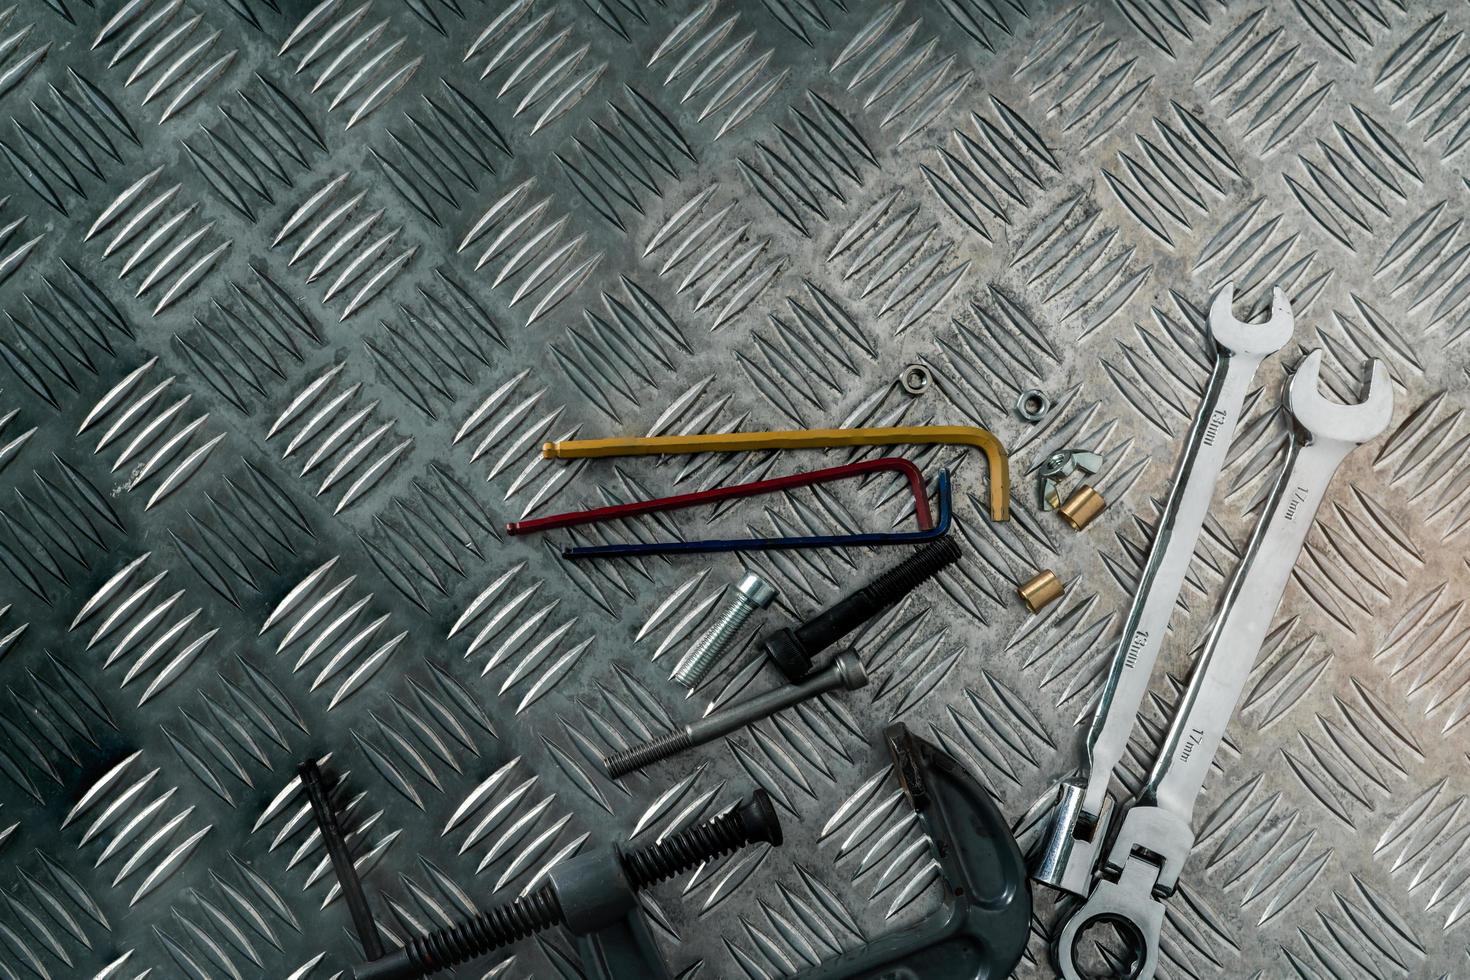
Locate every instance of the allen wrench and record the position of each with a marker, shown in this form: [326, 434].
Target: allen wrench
[790, 543]
[597, 515]
[743, 442]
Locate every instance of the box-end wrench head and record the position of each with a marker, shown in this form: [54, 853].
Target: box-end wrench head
[1319, 420]
[1240, 337]
[1125, 905]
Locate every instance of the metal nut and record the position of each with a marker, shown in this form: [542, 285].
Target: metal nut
[1058, 467]
[916, 378]
[1032, 405]
[1082, 506]
[1040, 590]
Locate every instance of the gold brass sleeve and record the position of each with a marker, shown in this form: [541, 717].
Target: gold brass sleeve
[739, 442]
[1080, 508]
[1040, 590]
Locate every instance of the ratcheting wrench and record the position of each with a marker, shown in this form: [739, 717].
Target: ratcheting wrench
[1145, 858]
[1079, 824]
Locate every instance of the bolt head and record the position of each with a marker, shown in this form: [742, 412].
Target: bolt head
[758, 819]
[850, 669]
[757, 591]
[786, 651]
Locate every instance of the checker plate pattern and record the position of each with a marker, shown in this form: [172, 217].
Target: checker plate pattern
[292, 293]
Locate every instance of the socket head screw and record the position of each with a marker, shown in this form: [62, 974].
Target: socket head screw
[845, 671]
[850, 668]
[756, 590]
[787, 651]
[751, 594]
[793, 650]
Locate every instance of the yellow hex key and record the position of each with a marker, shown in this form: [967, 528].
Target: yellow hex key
[740, 442]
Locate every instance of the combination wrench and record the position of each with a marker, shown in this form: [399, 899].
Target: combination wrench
[1079, 824]
[1156, 834]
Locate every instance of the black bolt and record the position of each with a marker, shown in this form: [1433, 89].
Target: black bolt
[793, 650]
[751, 821]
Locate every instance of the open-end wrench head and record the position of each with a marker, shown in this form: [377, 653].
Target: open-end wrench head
[1324, 420]
[1239, 337]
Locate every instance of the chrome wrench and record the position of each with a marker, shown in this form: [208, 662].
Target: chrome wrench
[1079, 824]
[1145, 858]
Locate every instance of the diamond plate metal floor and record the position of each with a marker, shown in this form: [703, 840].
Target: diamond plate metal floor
[293, 293]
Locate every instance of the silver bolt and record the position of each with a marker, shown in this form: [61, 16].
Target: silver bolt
[845, 671]
[751, 594]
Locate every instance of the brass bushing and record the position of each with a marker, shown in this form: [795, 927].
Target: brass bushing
[1080, 508]
[1040, 590]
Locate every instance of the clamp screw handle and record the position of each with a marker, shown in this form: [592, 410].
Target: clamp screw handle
[751, 821]
[473, 937]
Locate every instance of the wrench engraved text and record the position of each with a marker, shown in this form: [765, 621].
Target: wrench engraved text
[1294, 501]
[1139, 639]
[1195, 736]
[1212, 427]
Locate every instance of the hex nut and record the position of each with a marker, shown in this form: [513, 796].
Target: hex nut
[916, 378]
[1040, 590]
[1032, 405]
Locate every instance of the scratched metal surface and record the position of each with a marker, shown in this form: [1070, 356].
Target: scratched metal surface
[293, 294]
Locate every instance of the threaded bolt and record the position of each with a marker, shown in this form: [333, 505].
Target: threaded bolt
[751, 594]
[793, 649]
[475, 936]
[638, 756]
[489, 930]
[845, 671]
[907, 575]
